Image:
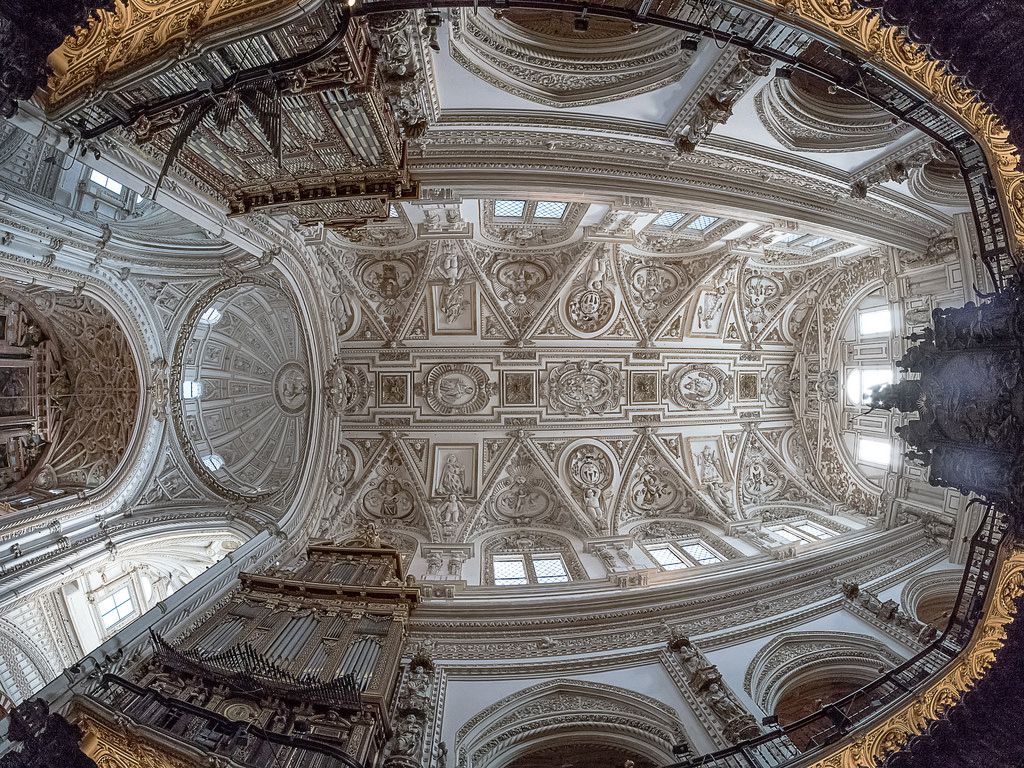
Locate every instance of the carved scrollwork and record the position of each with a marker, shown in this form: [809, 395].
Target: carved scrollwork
[698, 387]
[584, 388]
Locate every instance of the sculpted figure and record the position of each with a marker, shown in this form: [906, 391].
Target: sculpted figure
[434, 562]
[721, 704]
[409, 733]
[453, 477]
[450, 510]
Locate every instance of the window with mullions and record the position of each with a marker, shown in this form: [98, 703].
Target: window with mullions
[509, 208]
[678, 221]
[530, 211]
[116, 607]
[800, 533]
[803, 240]
[512, 570]
[105, 182]
[672, 557]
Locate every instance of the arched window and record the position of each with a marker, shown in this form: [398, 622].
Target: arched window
[527, 558]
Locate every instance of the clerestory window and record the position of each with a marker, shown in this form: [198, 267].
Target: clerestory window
[800, 532]
[512, 570]
[116, 608]
[674, 556]
[106, 182]
[678, 220]
[530, 211]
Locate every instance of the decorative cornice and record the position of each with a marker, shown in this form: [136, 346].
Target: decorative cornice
[869, 748]
[887, 48]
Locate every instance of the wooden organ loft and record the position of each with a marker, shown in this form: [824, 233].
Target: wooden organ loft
[34, 396]
[292, 113]
[295, 667]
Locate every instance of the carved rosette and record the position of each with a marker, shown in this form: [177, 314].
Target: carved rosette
[584, 388]
[457, 389]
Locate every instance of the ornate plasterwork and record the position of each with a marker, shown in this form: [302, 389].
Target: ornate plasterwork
[867, 749]
[583, 388]
[887, 47]
[457, 389]
[96, 398]
[538, 59]
[347, 388]
[795, 658]
[569, 709]
[240, 384]
[801, 114]
[698, 387]
[535, 232]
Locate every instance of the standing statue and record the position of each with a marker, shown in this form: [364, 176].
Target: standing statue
[721, 703]
[453, 477]
[408, 736]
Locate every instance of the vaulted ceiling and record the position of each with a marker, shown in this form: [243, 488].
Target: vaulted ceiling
[563, 278]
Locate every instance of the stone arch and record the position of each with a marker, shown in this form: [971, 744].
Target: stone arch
[527, 541]
[795, 661]
[23, 667]
[806, 114]
[929, 597]
[564, 711]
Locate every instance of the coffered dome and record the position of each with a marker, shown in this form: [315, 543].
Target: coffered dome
[243, 389]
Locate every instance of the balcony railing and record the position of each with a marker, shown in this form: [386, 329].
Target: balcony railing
[834, 721]
[244, 743]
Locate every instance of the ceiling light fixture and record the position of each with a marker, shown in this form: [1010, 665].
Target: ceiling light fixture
[581, 23]
[689, 44]
[785, 73]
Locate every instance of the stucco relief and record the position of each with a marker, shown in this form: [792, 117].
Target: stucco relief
[698, 387]
[583, 388]
[457, 389]
[554, 69]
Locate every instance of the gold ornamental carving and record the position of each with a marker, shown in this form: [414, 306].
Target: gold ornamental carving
[116, 746]
[137, 33]
[888, 49]
[872, 747]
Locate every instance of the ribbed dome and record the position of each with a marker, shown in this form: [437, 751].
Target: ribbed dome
[244, 391]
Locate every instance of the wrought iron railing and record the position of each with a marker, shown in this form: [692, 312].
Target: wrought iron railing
[245, 670]
[763, 32]
[242, 742]
[834, 721]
